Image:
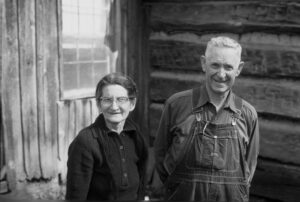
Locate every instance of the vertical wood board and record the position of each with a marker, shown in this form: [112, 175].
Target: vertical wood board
[78, 114]
[86, 112]
[10, 100]
[73, 116]
[63, 137]
[71, 121]
[2, 150]
[27, 50]
[94, 109]
[47, 78]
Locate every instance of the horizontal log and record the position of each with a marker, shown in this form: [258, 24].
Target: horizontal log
[279, 140]
[271, 96]
[235, 17]
[223, 28]
[150, 2]
[176, 55]
[164, 84]
[267, 96]
[263, 60]
[276, 181]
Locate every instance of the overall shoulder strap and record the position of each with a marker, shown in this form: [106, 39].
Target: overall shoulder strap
[171, 159]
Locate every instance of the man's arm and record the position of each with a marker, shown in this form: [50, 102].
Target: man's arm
[253, 146]
[161, 143]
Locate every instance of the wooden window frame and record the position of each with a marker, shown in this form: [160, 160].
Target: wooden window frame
[79, 93]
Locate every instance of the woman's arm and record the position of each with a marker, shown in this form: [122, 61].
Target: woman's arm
[80, 168]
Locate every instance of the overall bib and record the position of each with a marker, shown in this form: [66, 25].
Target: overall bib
[211, 166]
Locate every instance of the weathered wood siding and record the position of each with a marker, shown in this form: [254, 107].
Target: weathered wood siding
[1, 133]
[37, 125]
[73, 116]
[269, 34]
[30, 87]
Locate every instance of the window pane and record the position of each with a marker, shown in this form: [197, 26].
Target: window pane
[85, 57]
[69, 54]
[70, 76]
[85, 54]
[99, 53]
[86, 75]
[99, 70]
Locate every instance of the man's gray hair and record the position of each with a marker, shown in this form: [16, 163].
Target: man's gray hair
[223, 41]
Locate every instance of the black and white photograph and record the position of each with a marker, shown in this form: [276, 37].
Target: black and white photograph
[150, 100]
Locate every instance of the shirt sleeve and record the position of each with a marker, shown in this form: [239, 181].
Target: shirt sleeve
[253, 145]
[162, 142]
[80, 168]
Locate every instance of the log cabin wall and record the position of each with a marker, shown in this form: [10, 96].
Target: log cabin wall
[269, 33]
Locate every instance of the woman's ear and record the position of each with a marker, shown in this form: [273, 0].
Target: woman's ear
[132, 104]
[98, 106]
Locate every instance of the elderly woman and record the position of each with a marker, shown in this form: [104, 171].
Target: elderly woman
[107, 159]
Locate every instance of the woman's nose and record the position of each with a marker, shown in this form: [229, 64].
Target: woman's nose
[114, 104]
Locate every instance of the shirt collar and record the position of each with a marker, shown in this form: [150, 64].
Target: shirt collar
[230, 102]
[129, 126]
[204, 99]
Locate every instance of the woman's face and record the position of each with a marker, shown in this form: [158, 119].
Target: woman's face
[115, 104]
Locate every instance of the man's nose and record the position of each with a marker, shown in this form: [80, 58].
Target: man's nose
[222, 73]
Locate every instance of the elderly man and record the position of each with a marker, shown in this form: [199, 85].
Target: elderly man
[208, 139]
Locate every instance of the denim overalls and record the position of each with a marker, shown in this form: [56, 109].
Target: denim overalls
[211, 165]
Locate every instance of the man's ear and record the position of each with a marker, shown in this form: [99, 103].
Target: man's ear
[203, 63]
[240, 68]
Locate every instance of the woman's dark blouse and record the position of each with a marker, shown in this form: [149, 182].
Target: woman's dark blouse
[103, 165]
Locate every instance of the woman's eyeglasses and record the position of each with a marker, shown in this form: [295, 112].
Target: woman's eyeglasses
[108, 101]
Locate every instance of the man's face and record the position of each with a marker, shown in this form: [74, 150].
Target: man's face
[221, 65]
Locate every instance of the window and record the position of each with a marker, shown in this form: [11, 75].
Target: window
[85, 57]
